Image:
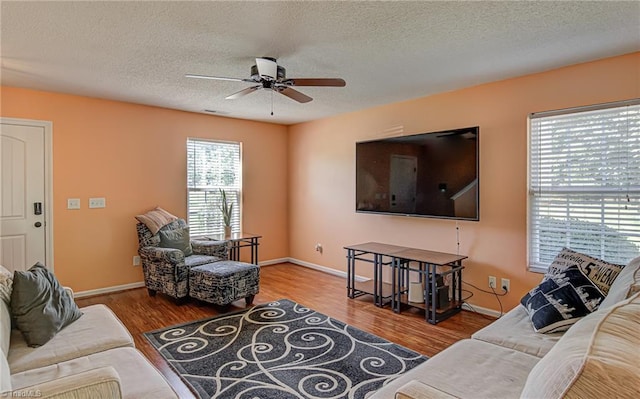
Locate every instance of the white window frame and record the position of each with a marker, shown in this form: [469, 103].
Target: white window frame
[615, 187]
[203, 214]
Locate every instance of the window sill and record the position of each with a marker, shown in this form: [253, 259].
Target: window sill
[537, 269]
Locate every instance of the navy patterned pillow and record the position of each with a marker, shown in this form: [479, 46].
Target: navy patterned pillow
[561, 299]
[597, 270]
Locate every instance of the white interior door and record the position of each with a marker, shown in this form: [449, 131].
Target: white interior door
[402, 183]
[22, 185]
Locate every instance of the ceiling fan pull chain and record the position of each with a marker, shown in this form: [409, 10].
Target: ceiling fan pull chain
[271, 102]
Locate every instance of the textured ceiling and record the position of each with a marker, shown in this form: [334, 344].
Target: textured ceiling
[386, 51]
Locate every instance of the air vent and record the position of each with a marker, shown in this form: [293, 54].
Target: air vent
[213, 111]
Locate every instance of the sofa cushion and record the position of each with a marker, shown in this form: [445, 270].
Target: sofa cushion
[417, 390]
[6, 282]
[5, 376]
[514, 331]
[625, 285]
[561, 299]
[198, 260]
[138, 378]
[597, 270]
[102, 382]
[5, 328]
[469, 369]
[40, 306]
[97, 330]
[177, 239]
[156, 219]
[597, 358]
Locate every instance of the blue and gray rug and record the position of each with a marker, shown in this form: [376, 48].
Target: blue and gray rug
[280, 350]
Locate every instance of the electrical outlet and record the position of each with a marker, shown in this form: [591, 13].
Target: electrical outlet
[506, 284]
[319, 247]
[492, 282]
[97, 203]
[73, 203]
[136, 260]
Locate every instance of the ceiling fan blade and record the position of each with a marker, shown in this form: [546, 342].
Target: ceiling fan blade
[315, 82]
[243, 93]
[267, 68]
[294, 94]
[189, 75]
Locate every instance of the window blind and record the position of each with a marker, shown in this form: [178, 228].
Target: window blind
[212, 166]
[584, 183]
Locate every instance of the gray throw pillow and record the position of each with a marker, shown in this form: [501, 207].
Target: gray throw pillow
[177, 239]
[40, 306]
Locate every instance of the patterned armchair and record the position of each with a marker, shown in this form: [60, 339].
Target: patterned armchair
[166, 269]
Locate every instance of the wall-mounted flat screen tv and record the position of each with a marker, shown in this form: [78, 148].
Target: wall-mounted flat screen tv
[430, 175]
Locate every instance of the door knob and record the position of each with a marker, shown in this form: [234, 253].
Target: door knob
[37, 224]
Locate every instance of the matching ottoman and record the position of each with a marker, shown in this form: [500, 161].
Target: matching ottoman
[223, 282]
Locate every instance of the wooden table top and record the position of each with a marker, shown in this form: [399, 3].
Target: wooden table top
[377, 248]
[423, 255]
[232, 237]
[414, 254]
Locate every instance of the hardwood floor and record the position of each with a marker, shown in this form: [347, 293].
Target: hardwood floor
[319, 291]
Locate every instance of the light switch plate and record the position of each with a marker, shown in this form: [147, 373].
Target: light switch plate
[73, 203]
[97, 203]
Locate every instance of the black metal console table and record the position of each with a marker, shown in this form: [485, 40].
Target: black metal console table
[238, 241]
[379, 255]
[431, 267]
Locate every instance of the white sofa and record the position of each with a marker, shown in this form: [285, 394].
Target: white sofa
[93, 357]
[597, 357]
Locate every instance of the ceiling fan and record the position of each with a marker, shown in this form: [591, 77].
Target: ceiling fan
[267, 74]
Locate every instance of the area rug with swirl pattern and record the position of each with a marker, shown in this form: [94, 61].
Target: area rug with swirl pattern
[280, 350]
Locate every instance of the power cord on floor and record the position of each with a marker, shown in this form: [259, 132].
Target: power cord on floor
[493, 292]
[481, 314]
[498, 298]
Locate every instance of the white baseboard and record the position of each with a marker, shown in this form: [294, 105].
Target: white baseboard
[139, 284]
[274, 261]
[339, 273]
[324, 269]
[108, 290]
[481, 310]
[321, 268]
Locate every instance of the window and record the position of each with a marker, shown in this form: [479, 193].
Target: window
[212, 166]
[584, 183]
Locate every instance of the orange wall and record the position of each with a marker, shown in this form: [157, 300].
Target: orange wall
[299, 182]
[135, 157]
[322, 171]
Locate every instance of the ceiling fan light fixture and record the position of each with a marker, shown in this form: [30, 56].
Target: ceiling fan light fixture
[281, 72]
[268, 75]
[267, 68]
